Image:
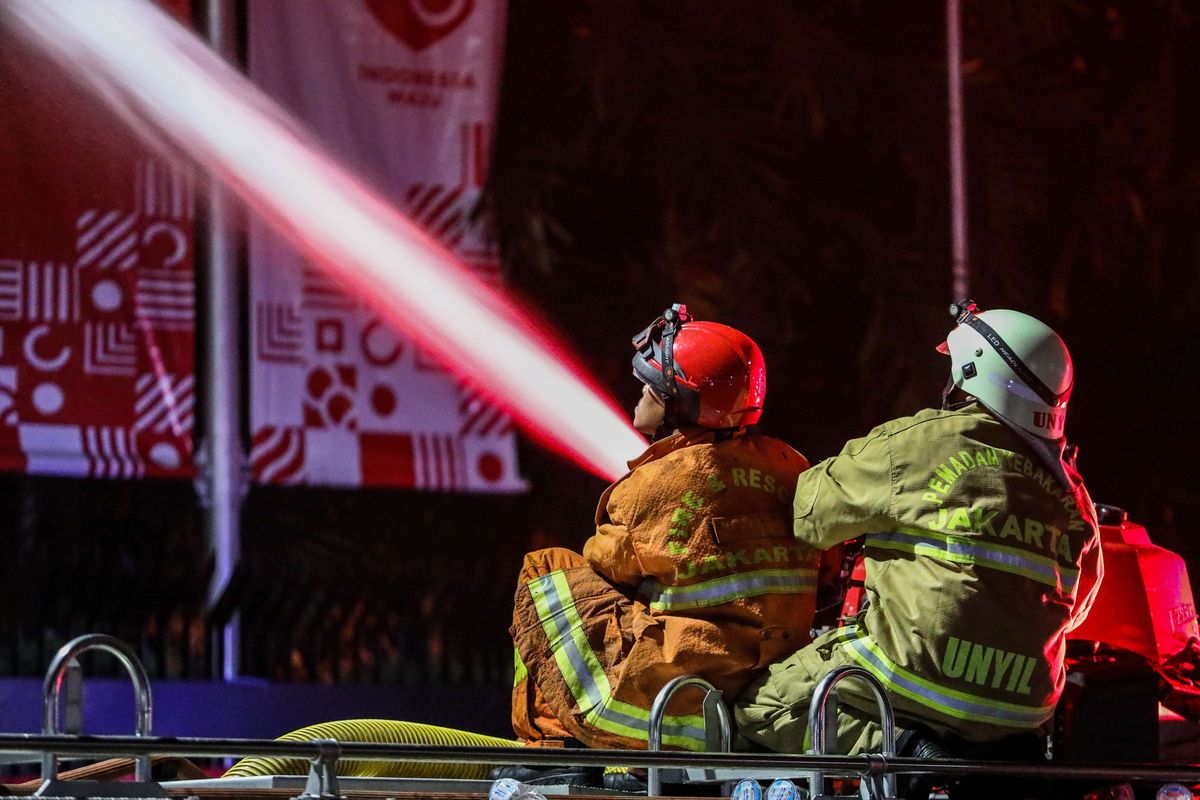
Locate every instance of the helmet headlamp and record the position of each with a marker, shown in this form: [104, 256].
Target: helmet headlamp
[656, 342]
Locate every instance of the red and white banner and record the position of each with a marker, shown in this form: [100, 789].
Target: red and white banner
[405, 93]
[97, 299]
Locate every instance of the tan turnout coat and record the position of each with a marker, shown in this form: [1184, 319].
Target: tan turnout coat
[692, 570]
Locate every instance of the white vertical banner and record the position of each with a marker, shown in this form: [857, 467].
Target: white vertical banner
[405, 93]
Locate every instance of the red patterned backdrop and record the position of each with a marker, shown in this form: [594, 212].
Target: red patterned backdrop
[97, 298]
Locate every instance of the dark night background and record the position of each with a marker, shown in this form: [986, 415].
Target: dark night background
[780, 167]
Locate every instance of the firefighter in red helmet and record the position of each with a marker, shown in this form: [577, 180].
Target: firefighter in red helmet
[726, 379]
[692, 568]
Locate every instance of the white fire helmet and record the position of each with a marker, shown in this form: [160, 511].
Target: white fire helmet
[1016, 366]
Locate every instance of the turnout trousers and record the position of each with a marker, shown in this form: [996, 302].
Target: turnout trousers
[590, 661]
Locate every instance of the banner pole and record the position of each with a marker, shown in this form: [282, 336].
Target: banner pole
[958, 169]
[223, 460]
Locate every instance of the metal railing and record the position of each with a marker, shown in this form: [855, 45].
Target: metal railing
[712, 705]
[819, 722]
[50, 745]
[34, 745]
[52, 695]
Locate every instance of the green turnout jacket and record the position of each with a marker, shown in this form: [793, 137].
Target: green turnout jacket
[978, 563]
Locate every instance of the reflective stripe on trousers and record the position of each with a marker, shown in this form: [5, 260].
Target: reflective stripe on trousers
[944, 700]
[520, 673]
[584, 675]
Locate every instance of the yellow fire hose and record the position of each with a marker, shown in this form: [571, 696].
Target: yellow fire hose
[381, 731]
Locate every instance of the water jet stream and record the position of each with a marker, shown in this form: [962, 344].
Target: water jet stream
[170, 87]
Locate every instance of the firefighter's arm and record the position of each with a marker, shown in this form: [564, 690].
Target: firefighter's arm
[611, 550]
[1091, 572]
[845, 496]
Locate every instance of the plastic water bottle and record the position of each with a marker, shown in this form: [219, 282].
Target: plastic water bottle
[783, 789]
[513, 789]
[746, 789]
[1174, 791]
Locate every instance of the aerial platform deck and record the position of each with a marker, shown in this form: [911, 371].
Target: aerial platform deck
[436, 771]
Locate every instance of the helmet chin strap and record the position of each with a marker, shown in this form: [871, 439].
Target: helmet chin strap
[669, 422]
[948, 392]
[672, 422]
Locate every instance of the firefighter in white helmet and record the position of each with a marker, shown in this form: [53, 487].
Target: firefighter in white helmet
[981, 553]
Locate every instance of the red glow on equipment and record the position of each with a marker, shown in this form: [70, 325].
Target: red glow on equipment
[165, 81]
[1145, 602]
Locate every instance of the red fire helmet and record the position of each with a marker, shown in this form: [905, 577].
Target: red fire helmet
[712, 375]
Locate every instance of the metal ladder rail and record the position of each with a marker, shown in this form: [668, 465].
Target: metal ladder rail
[819, 718]
[712, 704]
[34, 744]
[52, 686]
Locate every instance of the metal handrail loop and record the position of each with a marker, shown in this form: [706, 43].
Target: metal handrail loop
[658, 711]
[818, 718]
[52, 686]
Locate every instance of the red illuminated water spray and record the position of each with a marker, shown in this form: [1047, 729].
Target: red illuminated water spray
[166, 82]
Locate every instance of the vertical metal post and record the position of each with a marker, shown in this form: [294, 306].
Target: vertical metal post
[223, 460]
[958, 168]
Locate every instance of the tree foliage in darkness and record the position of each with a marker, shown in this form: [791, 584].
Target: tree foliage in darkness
[782, 166]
